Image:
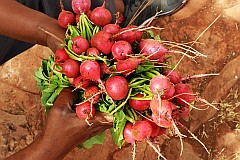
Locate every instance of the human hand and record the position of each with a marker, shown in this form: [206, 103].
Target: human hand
[63, 131]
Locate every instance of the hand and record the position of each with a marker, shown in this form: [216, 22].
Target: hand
[64, 130]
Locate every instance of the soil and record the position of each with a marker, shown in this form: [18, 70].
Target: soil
[22, 116]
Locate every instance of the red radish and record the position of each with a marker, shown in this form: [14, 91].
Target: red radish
[90, 69]
[141, 130]
[65, 18]
[139, 105]
[81, 6]
[80, 44]
[173, 75]
[128, 65]
[117, 87]
[162, 121]
[127, 134]
[130, 34]
[160, 106]
[104, 69]
[80, 82]
[92, 51]
[155, 128]
[101, 16]
[92, 93]
[152, 49]
[121, 49]
[85, 110]
[111, 28]
[183, 93]
[102, 41]
[60, 56]
[161, 112]
[70, 68]
[184, 111]
[160, 85]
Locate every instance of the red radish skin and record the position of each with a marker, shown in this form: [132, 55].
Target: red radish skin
[152, 49]
[70, 68]
[128, 65]
[121, 49]
[161, 112]
[155, 128]
[90, 70]
[127, 133]
[60, 56]
[161, 106]
[101, 16]
[111, 28]
[92, 52]
[81, 6]
[80, 82]
[183, 91]
[139, 105]
[129, 34]
[104, 69]
[173, 75]
[117, 87]
[160, 85]
[65, 18]
[85, 110]
[102, 41]
[92, 94]
[80, 44]
[141, 130]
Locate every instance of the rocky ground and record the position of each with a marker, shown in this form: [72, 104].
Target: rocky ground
[22, 117]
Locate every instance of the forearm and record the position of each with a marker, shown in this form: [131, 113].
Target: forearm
[24, 24]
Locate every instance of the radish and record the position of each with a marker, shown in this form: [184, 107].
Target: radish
[128, 65]
[121, 49]
[90, 70]
[81, 6]
[127, 133]
[80, 82]
[80, 44]
[173, 75]
[141, 130]
[139, 105]
[129, 34]
[85, 110]
[70, 68]
[101, 16]
[155, 128]
[161, 112]
[60, 56]
[152, 49]
[65, 18]
[92, 51]
[102, 41]
[160, 85]
[104, 69]
[117, 87]
[92, 94]
[111, 28]
[183, 93]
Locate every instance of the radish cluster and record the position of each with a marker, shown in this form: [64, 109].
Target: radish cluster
[114, 70]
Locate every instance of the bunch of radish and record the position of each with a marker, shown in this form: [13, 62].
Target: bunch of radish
[122, 71]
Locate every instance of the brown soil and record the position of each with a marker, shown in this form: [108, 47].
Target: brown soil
[22, 116]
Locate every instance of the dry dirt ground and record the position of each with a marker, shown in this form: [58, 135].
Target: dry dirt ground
[22, 117]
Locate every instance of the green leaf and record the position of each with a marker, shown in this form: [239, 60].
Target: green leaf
[146, 66]
[39, 74]
[98, 139]
[118, 127]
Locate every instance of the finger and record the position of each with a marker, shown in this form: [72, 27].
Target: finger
[66, 99]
